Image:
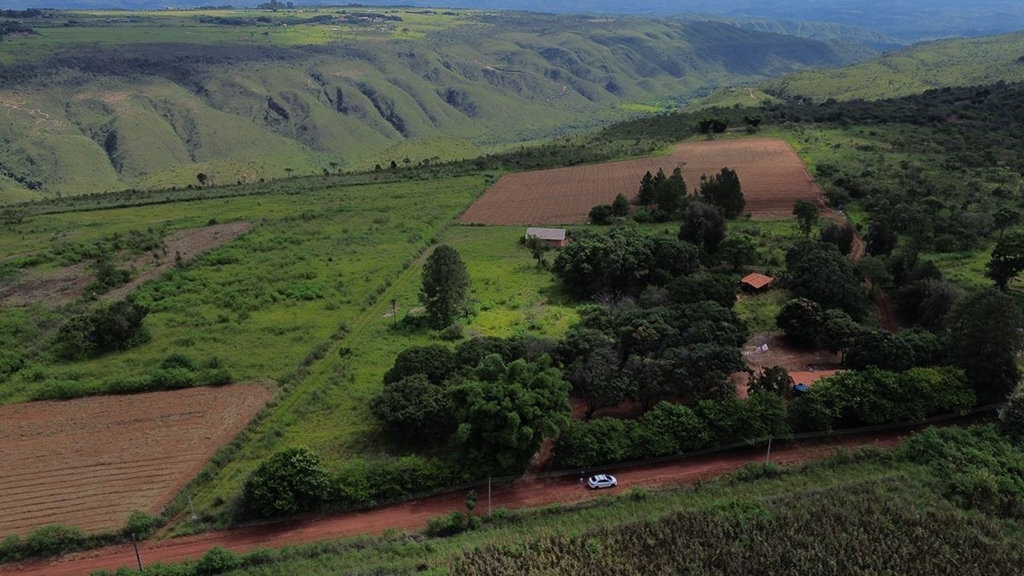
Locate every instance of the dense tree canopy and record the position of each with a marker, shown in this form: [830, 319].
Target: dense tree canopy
[504, 412]
[819, 272]
[703, 225]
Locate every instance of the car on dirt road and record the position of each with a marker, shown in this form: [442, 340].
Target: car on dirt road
[602, 481]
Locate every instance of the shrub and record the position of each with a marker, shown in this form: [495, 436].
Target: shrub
[290, 482]
[140, 524]
[452, 333]
[53, 540]
[217, 561]
[178, 360]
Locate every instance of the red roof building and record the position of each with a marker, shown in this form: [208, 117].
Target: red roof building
[756, 281]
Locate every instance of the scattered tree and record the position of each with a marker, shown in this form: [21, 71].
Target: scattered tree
[806, 216]
[620, 206]
[602, 214]
[445, 288]
[881, 238]
[1007, 260]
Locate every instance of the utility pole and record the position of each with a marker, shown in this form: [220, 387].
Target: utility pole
[394, 310]
[138, 558]
[768, 457]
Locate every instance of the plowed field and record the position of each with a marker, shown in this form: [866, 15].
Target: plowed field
[772, 175]
[91, 462]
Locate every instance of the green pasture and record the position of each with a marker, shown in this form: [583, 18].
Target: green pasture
[310, 265]
[329, 410]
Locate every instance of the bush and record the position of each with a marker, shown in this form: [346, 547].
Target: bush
[53, 540]
[139, 524]
[289, 482]
[452, 333]
[214, 377]
[217, 561]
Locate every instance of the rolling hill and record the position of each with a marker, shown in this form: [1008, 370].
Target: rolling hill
[105, 101]
[913, 70]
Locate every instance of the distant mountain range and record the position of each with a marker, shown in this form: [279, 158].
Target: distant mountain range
[906, 20]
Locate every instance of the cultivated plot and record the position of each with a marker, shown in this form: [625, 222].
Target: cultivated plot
[772, 176]
[90, 462]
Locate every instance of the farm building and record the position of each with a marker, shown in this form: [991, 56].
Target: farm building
[550, 237]
[756, 282]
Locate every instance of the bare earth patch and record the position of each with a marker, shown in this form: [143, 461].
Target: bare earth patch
[91, 462]
[57, 287]
[772, 175]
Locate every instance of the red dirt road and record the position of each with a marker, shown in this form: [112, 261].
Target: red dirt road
[413, 515]
[772, 175]
[90, 462]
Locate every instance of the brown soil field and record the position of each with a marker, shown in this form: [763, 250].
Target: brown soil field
[57, 287]
[91, 462]
[772, 175]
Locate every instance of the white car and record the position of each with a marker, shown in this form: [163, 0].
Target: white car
[602, 481]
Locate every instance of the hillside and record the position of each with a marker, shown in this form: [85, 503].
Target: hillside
[106, 101]
[912, 70]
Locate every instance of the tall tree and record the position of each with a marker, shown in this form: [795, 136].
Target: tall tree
[881, 238]
[1007, 260]
[702, 225]
[445, 288]
[723, 190]
[671, 192]
[806, 216]
[841, 236]
[984, 338]
[645, 196]
[620, 206]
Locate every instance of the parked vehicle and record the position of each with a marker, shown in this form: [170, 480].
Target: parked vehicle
[602, 481]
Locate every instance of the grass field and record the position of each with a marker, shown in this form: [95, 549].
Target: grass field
[311, 264]
[329, 410]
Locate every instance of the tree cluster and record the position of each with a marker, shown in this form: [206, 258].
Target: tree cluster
[491, 401]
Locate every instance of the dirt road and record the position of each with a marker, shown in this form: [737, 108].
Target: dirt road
[413, 515]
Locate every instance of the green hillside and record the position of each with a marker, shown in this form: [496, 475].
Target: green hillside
[104, 101]
[959, 62]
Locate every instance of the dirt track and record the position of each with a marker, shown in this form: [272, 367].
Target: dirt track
[413, 515]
